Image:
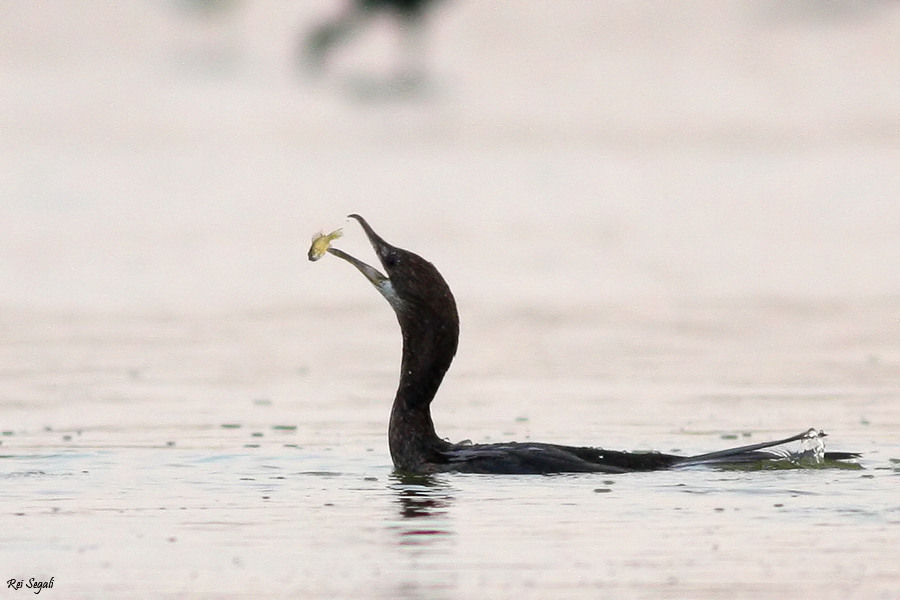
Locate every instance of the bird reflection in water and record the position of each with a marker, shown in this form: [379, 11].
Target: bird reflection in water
[423, 502]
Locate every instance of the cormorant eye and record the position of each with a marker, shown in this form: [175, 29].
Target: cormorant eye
[391, 260]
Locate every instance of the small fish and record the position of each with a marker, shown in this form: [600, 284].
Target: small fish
[321, 242]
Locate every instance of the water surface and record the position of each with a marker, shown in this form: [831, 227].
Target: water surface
[191, 477]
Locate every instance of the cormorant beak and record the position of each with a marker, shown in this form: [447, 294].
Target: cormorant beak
[381, 282]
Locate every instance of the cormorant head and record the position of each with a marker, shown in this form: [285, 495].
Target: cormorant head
[412, 285]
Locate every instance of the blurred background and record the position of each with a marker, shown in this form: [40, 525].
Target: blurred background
[179, 154]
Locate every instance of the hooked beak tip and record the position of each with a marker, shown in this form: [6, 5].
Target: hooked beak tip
[377, 243]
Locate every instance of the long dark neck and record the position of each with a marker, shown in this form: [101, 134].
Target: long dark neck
[429, 344]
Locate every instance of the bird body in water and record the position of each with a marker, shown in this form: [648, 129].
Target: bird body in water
[429, 323]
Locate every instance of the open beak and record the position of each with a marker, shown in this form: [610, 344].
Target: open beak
[381, 282]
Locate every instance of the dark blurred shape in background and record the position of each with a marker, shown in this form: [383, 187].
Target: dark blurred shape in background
[409, 16]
